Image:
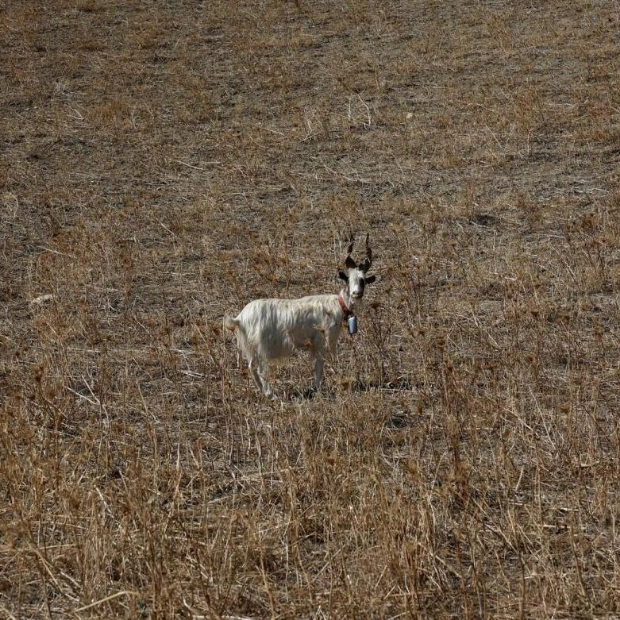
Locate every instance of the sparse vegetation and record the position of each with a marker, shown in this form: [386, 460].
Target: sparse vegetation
[162, 163]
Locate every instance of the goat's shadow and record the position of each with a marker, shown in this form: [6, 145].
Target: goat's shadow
[400, 384]
[308, 394]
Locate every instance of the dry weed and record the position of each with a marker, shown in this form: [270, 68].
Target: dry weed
[163, 163]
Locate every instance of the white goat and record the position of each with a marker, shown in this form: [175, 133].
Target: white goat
[268, 330]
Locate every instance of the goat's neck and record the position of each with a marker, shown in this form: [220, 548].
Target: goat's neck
[350, 302]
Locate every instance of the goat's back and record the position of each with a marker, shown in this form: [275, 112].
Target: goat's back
[268, 313]
[276, 327]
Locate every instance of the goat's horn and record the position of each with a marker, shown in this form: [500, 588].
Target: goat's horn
[349, 262]
[367, 262]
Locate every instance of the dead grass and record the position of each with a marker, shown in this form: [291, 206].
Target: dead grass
[163, 163]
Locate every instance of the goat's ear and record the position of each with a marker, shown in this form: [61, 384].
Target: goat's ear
[343, 276]
[370, 279]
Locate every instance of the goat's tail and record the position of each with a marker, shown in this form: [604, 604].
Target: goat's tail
[230, 323]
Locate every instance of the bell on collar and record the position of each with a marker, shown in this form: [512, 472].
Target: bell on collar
[352, 324]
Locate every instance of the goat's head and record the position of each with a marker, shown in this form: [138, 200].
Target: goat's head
[355, 275]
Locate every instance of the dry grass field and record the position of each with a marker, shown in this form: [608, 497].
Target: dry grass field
[163, 162]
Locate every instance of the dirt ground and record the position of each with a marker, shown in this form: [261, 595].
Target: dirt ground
[164, 162]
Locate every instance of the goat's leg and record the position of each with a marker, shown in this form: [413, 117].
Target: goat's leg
[319, 363]
[318, 352]
[332, 342]
[254, 372]
[258, 374]
[267, 389]
[323, 345]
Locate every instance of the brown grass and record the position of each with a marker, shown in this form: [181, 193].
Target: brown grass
[164, 162]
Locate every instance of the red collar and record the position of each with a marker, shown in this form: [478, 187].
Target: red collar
[343, 306]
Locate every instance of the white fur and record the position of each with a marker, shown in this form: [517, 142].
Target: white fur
[268, 330]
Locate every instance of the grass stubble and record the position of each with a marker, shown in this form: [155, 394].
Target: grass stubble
[163, 163]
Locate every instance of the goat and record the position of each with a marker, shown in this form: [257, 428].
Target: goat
[268, 330]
